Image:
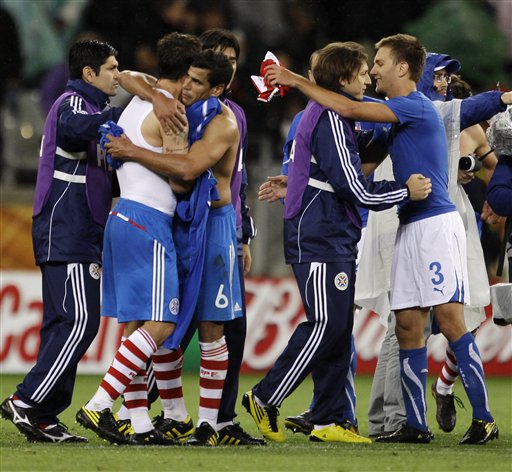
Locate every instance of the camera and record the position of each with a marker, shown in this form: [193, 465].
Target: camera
[470, 163]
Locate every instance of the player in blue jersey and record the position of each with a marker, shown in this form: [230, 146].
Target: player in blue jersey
[72, 199]
[430, 245]
[322, 227]
[387, 411]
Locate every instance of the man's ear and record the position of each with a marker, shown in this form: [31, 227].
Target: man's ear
[218, 90]
[342, 83]
[403, 68]
[88, 74]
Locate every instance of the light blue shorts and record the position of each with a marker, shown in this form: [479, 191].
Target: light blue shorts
[140, 279]
[220, 297]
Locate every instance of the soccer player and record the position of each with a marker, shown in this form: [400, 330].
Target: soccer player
[220, 297]
[72, 199]
[386, 411]
[322, 227]
[418, 143]
[140, 285]
[230, 432]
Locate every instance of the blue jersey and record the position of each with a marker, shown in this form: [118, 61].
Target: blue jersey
[289, 142]
[418, 146]
[499, 190]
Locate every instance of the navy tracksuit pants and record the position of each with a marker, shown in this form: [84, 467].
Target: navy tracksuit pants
[321, 345]
[71, 318]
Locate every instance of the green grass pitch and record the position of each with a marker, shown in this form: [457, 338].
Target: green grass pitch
[296, 454]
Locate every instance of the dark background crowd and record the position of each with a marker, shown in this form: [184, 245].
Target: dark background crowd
[35, 37]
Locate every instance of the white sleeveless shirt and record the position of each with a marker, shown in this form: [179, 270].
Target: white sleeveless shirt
[137, 182]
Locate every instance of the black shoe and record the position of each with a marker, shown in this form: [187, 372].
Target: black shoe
[481, 432]
[22, 418]
[381, 434]
[349, 426]
[59, 434]
[407, 434]
[102, 423]
[152, 438]
[174, 429]
[124, 426]
[234, 435]
[299, 423]
[446, 415]
[204, 435]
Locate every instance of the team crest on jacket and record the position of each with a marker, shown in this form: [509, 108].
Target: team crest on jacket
[174, 306]
[95, 271]
[341, 281]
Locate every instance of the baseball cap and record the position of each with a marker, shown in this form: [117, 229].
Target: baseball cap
[451, 65]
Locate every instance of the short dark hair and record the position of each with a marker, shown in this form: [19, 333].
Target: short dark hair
[218, 65]
[221, 39]
[338, 61]
[459, 87]
[90, 53]
[406, 48]
[175, 52]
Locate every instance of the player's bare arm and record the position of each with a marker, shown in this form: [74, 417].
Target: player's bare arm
[220, 137]
[354, 110]
[170, 112]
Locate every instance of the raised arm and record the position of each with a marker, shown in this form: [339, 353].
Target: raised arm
[169, 111]
[354, 110]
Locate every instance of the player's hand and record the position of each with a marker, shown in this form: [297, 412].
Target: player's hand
[247, 258]
[121, 147]
[170, 112]
[273, 189]
[488, 215]
[279, 75]
[465, 177]
[419, 187]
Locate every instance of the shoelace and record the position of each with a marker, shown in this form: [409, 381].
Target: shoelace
[459, 402]
[273, 413]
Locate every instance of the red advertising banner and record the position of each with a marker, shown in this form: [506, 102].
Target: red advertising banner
[274, 308]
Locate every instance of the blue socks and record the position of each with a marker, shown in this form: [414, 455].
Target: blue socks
[472, 375]
[414, 370]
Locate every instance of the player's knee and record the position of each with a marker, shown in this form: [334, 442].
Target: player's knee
[452, 330]
[409, 336]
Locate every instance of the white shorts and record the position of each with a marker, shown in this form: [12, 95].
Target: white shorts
[429, 264]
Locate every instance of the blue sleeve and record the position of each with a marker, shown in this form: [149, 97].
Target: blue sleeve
[289, 141]
[75, 123]
[407, 109]
[338, 158]
[479, 108]
[499, 190]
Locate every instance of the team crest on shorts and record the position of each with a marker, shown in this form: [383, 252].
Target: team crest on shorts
[95, 271]
[174, 306]
[341, 281]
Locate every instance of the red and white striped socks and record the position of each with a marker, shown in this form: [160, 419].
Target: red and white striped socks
[130, 358]
[213, 369]
[167, 367]
[449, 374]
